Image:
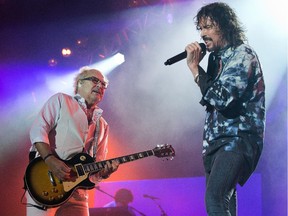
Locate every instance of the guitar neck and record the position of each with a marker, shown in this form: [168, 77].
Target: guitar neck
[97, 166]
[132, 157]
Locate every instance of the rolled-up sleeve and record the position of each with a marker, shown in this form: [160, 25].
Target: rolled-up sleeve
[45, 120]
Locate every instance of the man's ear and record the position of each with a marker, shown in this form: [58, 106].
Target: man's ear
[79, 83]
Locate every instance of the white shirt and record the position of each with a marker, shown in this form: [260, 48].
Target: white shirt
[62, 123]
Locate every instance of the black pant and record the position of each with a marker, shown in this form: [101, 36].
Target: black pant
[221, 181]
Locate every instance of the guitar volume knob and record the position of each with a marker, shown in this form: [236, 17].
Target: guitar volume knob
[45, 193]
[54, 190]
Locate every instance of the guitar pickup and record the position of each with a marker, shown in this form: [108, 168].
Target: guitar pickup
[51, 178]
[80, 170]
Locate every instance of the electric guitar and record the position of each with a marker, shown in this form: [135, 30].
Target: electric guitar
[49, 191]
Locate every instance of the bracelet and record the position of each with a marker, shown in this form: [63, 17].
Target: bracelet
[47, 156]
[196, 79]
[106, 176]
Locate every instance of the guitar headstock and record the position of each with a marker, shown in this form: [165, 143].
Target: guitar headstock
[164, 151]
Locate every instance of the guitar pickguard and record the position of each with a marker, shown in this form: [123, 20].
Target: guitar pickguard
[71, 185]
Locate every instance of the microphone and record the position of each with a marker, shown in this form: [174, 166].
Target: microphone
[150, 197]
[183, 55]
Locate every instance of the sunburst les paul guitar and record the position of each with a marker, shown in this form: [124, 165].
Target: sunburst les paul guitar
[47, 190]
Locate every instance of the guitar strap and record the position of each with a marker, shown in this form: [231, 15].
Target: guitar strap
[94, 128]
[96, 136]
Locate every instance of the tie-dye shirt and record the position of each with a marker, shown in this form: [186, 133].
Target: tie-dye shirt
[235, 100]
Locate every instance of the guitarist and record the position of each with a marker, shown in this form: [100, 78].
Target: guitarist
[67, 125]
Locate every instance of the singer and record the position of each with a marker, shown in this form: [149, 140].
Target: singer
[233, 93]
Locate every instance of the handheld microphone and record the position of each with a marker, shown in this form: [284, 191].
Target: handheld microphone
[183, 55]
[150, 197]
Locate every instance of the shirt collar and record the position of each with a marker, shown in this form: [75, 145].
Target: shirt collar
[225, 53]
[80, 100]
[97, 113]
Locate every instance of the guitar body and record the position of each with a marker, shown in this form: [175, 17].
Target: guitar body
[46, 189]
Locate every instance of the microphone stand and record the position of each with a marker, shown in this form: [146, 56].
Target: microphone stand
[163, 213]
[98, 188]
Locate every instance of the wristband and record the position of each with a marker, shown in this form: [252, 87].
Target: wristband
[47, 156]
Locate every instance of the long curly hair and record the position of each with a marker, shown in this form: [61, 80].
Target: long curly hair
[225, 17]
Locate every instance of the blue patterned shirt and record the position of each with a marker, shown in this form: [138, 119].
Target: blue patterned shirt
[235, 100]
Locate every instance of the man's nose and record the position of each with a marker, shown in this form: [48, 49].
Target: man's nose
[99, 85]
[202, 33]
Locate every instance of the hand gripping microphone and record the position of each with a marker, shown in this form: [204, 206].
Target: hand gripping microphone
[183, 55]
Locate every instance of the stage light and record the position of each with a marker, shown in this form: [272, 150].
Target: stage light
[119, 58]
[101, 56]
[65, 83]
[108, 64]
[52, 62]
[66, 52]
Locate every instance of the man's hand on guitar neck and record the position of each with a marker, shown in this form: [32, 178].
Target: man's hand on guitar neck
[108, 170]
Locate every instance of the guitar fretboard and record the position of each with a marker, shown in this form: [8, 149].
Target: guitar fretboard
[96, 167]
